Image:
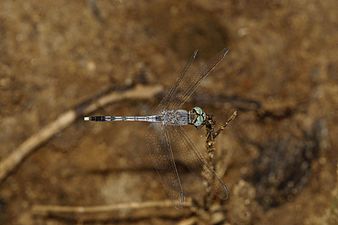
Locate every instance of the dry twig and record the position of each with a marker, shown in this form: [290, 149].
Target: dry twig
[116, 211]
[50, 209]
[28, 146]
[211, 149]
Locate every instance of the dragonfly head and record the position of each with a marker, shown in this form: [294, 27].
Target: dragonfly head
[198, 116]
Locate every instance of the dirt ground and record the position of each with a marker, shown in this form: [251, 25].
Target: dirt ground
[281, 74]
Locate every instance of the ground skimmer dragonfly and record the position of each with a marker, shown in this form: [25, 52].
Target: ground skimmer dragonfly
[168, 120]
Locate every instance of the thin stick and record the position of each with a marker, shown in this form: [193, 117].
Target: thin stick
[211, 135]
[28, 146]
[188, 221]
[134, 210]
[56, 209]
[231, 118]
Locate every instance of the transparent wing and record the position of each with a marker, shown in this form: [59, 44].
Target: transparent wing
[162, 157]
[196, 160]
[195, 80]
[165, 102]
[188, 82]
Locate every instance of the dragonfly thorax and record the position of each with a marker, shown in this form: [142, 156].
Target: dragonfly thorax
[178, 117]
[182, 117]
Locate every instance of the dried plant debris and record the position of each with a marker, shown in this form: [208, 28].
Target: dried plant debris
[283, 166]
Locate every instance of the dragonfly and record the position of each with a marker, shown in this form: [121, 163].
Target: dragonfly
[168, 120]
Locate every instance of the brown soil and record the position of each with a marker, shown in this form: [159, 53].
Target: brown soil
[281, 73]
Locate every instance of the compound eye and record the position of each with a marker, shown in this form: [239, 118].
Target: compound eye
[199, 121]
[198, 110]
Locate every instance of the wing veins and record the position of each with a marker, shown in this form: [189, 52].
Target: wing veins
[203, 75]
[173, 164]
[166, 100]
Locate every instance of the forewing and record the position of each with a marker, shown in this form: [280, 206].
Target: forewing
[193, 79]
[177, 86]
[188, 81]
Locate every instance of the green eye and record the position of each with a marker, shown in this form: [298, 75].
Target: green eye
[199, 121]
[198, 110]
